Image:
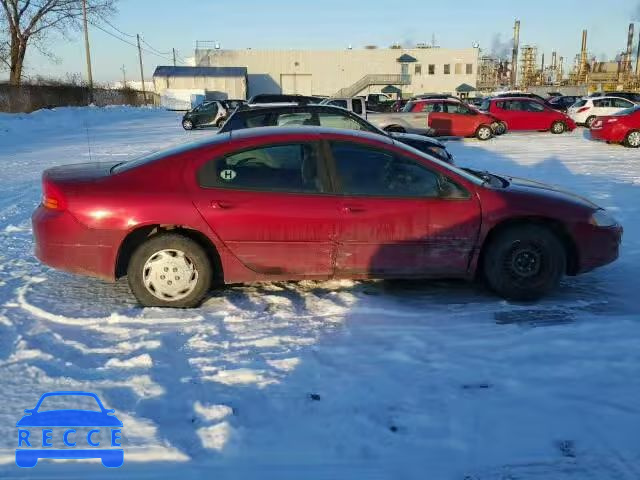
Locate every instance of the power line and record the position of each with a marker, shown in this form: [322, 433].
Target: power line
[116, 28]
[154, 49]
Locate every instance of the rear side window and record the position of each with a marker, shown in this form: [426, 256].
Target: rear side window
[371, 172]
[335, 120]
[285, 168]
[293, 119]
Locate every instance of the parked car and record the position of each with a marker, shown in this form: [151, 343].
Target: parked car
[631, 96]
[401, 122]
[207, 114]
[454, 118]
[527, 114]
[585, 111]
[232, 104]
[621, 127]
[269, 204]
[562, 102]
[372, 98]
[326, 116]
[283, 98]
[356, 105]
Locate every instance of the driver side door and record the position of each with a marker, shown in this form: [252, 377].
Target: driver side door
[394, 218]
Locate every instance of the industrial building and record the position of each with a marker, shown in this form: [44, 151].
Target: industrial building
[349, 72]
[181, 87]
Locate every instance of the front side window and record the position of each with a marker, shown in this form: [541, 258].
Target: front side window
[534, 107]
[333, 120]
[447, 69]
[620, 103]
[431, 107]
[285, 168]
[371, 172]
[338, 103]
[458, 108]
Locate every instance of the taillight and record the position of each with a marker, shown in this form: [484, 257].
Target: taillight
[583, 109]
[52, 196]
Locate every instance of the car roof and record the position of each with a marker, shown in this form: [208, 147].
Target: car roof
[519, 98]
[304, 130]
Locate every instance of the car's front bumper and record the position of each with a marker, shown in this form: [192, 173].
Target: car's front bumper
[597, 246]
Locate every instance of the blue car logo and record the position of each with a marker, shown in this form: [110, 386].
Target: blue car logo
[37, 439]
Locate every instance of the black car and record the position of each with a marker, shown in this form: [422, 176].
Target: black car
[283, 98]
[325, 116]
[563, 102]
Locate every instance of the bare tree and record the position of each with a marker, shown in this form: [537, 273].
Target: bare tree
[31, 21]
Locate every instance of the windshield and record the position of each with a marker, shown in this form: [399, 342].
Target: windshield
[69, 402]
[627, 111]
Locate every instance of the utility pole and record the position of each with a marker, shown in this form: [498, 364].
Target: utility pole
[144, 92]
[124, 76]
[87, 49]
[174, 57]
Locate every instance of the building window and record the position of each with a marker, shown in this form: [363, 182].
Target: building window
[469, 68]
[418, 69]
[432, 69]
[458, 68]
[447, 69]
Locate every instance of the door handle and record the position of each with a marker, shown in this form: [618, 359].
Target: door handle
[352, 209]
[219, 205]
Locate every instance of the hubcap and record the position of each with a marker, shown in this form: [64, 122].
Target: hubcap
[558, 128]
[525, 262]
[634, 139]
[170, 275]
[187, 124]
[484, 133]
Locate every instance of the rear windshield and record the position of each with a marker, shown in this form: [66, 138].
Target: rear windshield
[627, 111]
[408, 107]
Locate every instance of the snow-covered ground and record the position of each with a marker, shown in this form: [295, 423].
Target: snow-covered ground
[437, 380]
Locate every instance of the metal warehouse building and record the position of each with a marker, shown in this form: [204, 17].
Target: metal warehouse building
[181, 87]
[349, 72]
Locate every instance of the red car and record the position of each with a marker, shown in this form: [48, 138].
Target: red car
[520, 113]
[310, 203]
[622, 127]
[453, 118]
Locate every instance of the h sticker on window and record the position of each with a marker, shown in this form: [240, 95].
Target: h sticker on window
[228, 174]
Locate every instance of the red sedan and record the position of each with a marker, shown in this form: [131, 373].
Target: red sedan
[452, 118]
[519, 113]
[310, 203]
[622, 127]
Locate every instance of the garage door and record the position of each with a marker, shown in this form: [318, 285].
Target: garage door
[295, 83]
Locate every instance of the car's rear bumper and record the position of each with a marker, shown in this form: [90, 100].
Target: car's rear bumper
[608, 134]
[597, 246]
[65, 244]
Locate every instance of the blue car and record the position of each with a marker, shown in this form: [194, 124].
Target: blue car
[104, 418]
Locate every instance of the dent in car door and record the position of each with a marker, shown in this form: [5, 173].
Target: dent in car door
[268, 206]
[397, 225]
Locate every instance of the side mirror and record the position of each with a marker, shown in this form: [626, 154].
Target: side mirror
[110, 411]
[28, 410]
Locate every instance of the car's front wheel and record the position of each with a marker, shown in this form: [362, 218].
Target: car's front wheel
[632, 139]
[558, 127]
[484, 132]
[169, 270]
[524, 262]
[187, 124]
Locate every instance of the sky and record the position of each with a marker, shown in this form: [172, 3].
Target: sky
[335, 24]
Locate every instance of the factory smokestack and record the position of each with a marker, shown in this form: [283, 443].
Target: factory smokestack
[583, 55]
[629, 49]
[638, 59]
[514, 53]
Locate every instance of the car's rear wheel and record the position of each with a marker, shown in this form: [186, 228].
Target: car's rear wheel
[524, 262]
[558, 127]
[187, 124]
[589, 121]
[632, 139]
[395, 129]
[484, 132]
[169, 270]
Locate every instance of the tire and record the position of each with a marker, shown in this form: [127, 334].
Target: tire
[394, 129]
[558, 127]
[187, 124]
[484, 133]
[501, 129]
[632, 140]
[524, 262]
[589, 121]
[220, 122]
[187, 267]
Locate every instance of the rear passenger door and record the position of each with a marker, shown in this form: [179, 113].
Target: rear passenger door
[271, 207]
